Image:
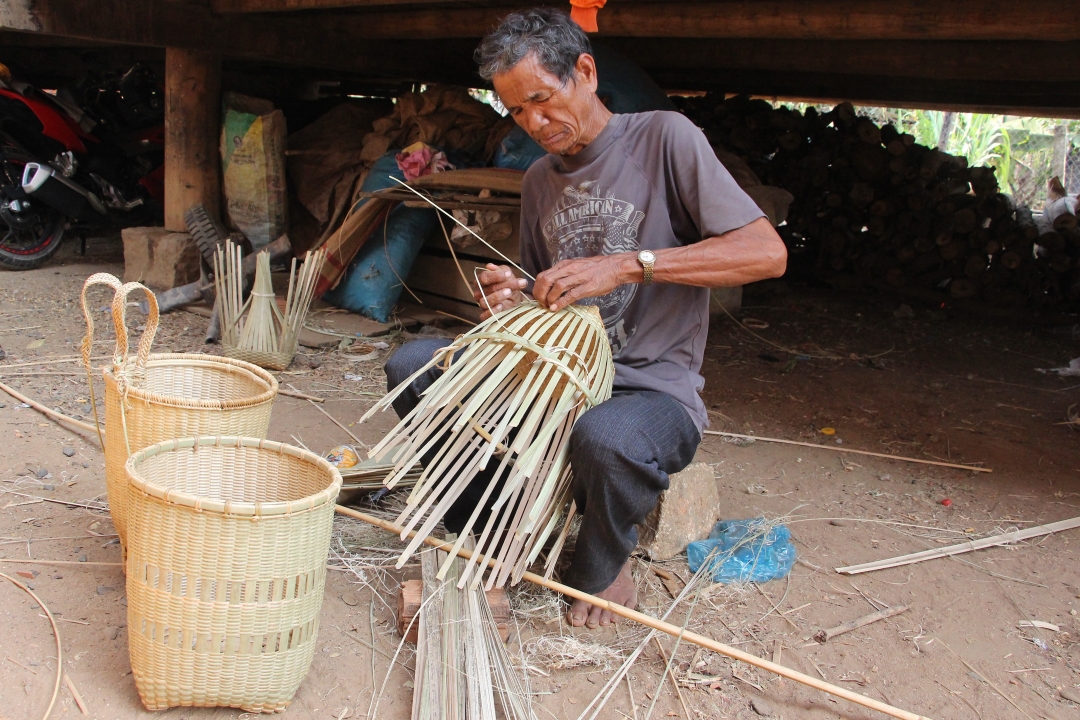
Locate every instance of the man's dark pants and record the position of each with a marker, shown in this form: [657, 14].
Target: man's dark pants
[621, 452]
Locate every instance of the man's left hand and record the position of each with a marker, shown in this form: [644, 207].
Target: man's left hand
[571, 280]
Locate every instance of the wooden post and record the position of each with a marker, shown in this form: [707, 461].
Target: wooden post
[192, 129]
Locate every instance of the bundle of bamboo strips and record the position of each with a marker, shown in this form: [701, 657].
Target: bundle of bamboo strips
[256, 330]
[461, 663]
[520, 382]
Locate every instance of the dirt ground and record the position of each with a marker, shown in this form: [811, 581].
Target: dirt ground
[919, 382]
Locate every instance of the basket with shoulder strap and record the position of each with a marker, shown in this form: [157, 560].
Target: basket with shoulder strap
[226, 567]
[150, 398]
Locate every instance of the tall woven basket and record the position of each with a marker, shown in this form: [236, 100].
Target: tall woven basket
[226, 565]
[150, 398]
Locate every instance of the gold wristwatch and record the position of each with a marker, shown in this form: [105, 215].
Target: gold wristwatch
[647, 258]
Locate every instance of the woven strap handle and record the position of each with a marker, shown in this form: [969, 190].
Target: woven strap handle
[88, 340]
[119, 313]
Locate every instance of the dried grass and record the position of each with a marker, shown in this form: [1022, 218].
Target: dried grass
[569, 652]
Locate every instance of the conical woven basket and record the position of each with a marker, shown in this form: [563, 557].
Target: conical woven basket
[150, 398]
[226, 566]
[510, 398]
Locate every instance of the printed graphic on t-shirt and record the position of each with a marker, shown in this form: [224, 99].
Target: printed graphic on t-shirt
[587, 222]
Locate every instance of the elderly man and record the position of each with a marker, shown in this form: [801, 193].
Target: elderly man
[633, 214]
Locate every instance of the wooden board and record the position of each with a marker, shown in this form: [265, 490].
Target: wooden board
[494, 179]
[439, 275]
[456, 308]
[780, 19]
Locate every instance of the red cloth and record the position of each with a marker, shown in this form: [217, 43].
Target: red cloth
[583, 12]
[420, 159]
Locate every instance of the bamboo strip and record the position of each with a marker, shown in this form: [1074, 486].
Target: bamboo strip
[46, 411]
[823, 636]
[56, 634]
[700, 640]
[298, 394]
[965, 547]
[938, 463]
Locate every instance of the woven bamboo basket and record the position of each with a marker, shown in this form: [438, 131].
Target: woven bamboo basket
[150, 398]
[510, 398]
[226, 566]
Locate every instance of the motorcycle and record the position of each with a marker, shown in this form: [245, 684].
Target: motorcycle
[87, 157]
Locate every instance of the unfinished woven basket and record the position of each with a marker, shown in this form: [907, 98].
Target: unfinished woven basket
[523, 378]
[150, 398]
[226, 566]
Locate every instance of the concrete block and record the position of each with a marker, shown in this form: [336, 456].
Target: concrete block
[686, 511]
[159, 258]
[729, 297]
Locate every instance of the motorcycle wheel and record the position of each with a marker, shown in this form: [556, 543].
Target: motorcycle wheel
[30, 237]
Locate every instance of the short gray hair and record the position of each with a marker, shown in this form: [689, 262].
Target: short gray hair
[557, 41]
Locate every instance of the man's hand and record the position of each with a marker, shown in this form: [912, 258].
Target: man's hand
[571, 280]
[499, 290]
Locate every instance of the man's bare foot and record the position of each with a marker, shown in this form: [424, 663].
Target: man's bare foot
[623, 591]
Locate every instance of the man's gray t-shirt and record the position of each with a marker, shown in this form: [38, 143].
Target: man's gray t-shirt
[648, 181]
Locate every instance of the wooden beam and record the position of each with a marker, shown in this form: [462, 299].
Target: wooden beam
[192, 128]
[319, 42]
[932, 60]
[265, 6]
[776, 19]
[1017, 98]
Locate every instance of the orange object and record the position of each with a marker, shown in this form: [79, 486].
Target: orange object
[583, 12]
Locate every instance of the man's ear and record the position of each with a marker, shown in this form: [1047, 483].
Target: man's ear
[585, 71]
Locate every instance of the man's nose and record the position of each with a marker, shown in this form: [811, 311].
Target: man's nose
[535, 120]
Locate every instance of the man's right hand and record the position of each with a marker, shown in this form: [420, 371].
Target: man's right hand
[499, 290]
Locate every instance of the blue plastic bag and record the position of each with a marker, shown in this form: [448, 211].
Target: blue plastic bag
[744, 551]
[372, 283]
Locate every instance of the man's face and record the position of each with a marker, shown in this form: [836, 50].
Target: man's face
[556, 114]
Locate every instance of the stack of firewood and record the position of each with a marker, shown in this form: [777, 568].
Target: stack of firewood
[875, 209]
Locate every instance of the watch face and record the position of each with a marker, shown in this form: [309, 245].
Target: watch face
[646, 256]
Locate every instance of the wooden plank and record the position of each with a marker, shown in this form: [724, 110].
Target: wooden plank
[1021, 60]
[439, 275]
[467, 311]
[495, 179]
[1060, 99]
[318, 42]
[192, 128]
[263, 6]
[776, 19]
[933, 554]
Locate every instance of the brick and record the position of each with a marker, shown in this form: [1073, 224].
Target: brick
[411, 594]
[410, 597]
[159, 258]
[686, 511]
[729, 297]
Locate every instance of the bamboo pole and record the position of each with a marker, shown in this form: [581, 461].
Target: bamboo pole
[655, 624]
[824, 636]
[901, 458]
[61, 417]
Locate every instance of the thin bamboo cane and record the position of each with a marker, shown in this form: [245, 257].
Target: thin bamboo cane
[673, 630]
[901, 458]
